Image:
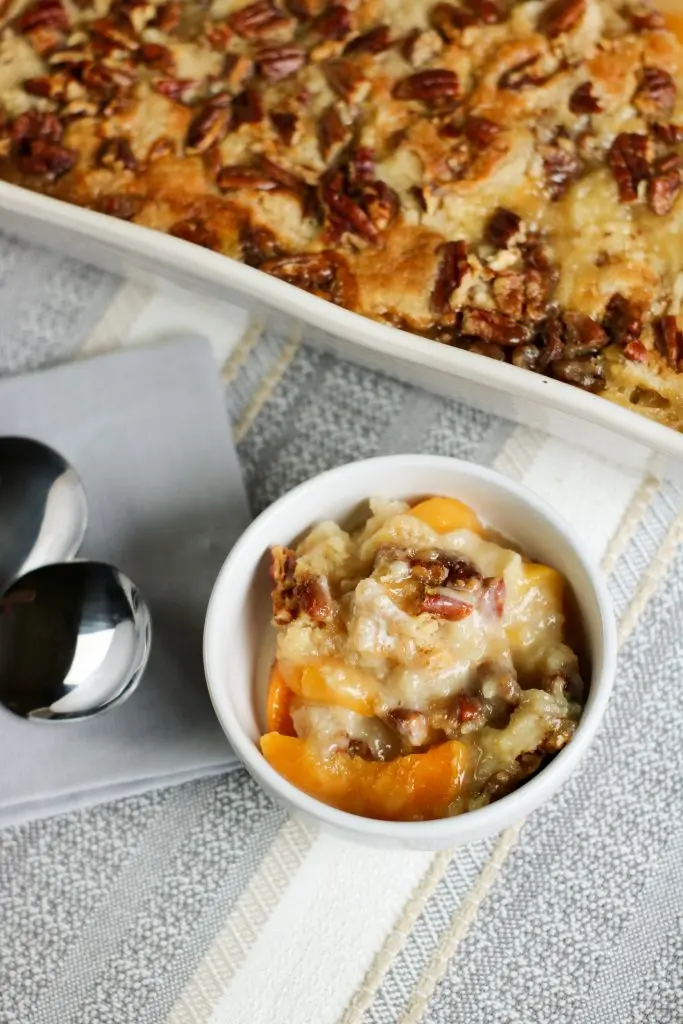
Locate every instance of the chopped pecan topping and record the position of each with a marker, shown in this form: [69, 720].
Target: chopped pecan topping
[345, 78]
[582, 100]
[168, 16]
[435, 568]
[449, 20]
[218, 35]
[526, 356]
[583, 336]
[662, 191]
[261, 18]
[435, 87]
[117, 35]
[645, 19]
[116, 153]
[209, 126]
[295, 592]
[656, 93]
[258, 245]
[481, 131]
[446, 605]
[374, 41]
[285, 124]
[669, 341]
[587, 374]
[522, 76]
[669, 133]
[492, 598]
[362, 164]
[325, 274]
[46, 159]
[197, 231]
[247, 107]
[450, 275]
[33, 124]
[48, 86]
[280, 61]
[420, 47]
[502, 227]
[176, 89]
[637, 353]
[623, 320]
[161, 147]
[561, 16]
[509, 291]
[334, 23]
[561, 167]
[629, 161]
[305, 9]
[122, 205]
[493, 326]
[237, 176]
[158, 57]
[412, 726]
[332, 131]
[380, 202]
[485, 348]
[345, 211]
[43, 14]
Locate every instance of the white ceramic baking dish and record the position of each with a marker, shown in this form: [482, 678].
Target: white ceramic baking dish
[142, 254]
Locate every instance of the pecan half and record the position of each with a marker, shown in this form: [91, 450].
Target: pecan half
[662, 192]
[583, 336]
[116, 154]
[261, 18]
[669, 341]
[522, 76]
[561, 167]
[492, 326]
[623, 320]
[43, 14]
[502, 227]
[637, 353]
[450, 275]
[196, 231]
[362, 164]
[279, 61]
[33, 124]
[325, 274]
[176, 89]
[629, 161]
[561, 16]
[435, 87]
[374, 41]
[52, 87]
[656, 92]
[582, 100]
[209, 126]
[334, 23]
[258, 245]
[492, 597]
[285, 124]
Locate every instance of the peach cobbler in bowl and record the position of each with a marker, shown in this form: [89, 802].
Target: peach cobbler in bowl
[423, 666]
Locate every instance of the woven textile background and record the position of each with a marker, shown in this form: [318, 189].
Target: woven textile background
[204, 905]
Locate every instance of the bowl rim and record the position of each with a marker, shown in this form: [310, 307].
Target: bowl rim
[471, 824]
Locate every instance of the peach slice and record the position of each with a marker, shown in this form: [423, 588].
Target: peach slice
[412, 788]
[445, 515]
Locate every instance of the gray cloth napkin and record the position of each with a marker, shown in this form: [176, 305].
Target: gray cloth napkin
[148, 432]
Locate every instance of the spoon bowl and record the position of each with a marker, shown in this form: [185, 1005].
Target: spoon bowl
[74, 641]
[43, 509]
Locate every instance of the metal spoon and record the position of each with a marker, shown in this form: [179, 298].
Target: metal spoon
[43, 509]
[74, 641]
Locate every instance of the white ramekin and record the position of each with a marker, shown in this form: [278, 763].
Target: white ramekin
[237, 628]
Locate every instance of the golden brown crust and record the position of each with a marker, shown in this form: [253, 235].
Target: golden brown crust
[501, 176]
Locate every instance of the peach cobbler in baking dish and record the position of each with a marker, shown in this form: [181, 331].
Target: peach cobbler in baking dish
[503, 177]
[422, 669]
